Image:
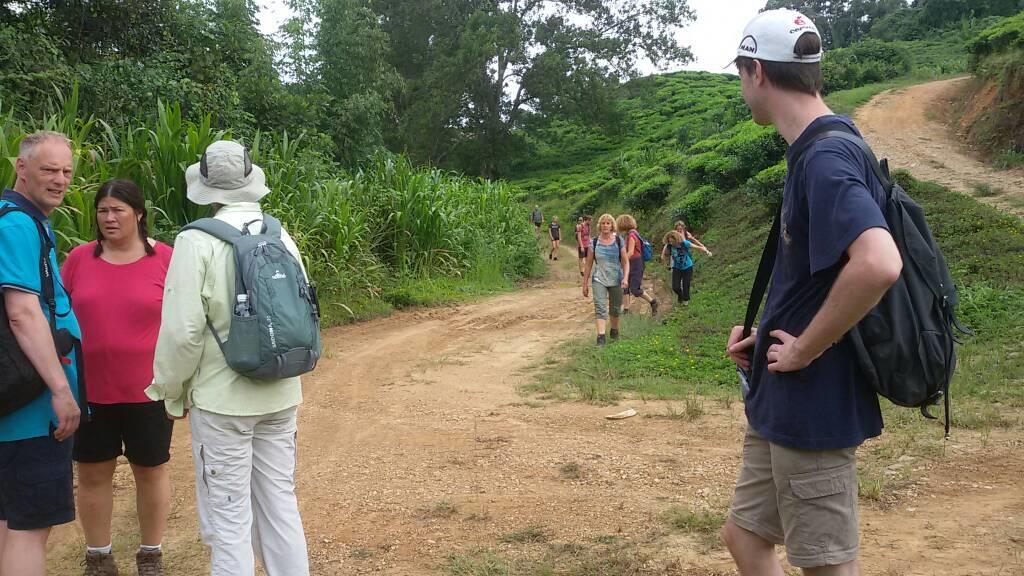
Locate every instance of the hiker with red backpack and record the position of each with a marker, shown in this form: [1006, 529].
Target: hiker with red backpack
[240, 324]
[807, 405]
[639, 251]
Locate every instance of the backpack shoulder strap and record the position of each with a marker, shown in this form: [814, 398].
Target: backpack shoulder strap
[881, 170]
[271, 225]
[45, 270]
[217, 228]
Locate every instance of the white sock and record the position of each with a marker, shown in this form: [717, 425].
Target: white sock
[99, 549]
[156, 548]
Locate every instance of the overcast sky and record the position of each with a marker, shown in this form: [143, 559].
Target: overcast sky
[713, 37]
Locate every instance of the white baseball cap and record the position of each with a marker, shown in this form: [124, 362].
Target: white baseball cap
[772, 36]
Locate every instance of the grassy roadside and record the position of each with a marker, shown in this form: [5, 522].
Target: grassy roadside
[681, 361]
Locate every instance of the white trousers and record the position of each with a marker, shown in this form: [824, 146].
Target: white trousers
[245, 493]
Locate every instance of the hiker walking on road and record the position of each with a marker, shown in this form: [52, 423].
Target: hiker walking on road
[807, 407]
[116, 283]
[607, 268]
[583, 245]
[36, 485]
[626, 225]
[537, 217]
[677, 253]
[243, 428]
[555, 234]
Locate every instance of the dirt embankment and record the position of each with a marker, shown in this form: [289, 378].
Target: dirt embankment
[415, 445]
[907, 126]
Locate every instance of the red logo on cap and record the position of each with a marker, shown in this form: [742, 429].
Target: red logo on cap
[799, 21]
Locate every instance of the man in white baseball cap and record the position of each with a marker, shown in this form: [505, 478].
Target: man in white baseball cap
[807, 406]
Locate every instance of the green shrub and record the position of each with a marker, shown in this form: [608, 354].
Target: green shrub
[1008, 34]
[649, 193]
[767, 184]
[693, 208]
[863, 63]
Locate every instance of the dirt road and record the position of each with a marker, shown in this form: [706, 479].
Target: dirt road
[904, 125]
[416, 447]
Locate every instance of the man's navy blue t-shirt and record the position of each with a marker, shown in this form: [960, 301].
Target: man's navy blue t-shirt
[831, 197]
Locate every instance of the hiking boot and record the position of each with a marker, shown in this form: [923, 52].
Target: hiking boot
[150, 563]
[654, 307]
[614, 334]
[600, 339]
[99, 564]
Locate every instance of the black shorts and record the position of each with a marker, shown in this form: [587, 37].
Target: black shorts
[582, 251]
[143, 430]
[636, 276]
[36, 483]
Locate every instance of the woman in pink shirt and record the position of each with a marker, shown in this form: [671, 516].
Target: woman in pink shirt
[116, 284]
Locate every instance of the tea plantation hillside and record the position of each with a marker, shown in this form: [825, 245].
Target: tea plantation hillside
[684, 139]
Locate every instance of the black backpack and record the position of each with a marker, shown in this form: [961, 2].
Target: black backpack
[905, 345]
[20, 383]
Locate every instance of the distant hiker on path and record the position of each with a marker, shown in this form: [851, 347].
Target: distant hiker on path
[537, 217]
[607, 268]
[583, 245]
[116, 284]
[807, 407]
[555, 234]
[627, 227]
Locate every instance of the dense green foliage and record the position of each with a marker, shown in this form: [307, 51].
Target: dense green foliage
[997, 60]
[864, 63]
[387, 230]
[451, 84]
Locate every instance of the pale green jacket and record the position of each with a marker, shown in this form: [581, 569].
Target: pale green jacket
[189, 369]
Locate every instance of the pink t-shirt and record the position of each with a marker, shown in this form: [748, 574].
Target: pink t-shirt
[118, 308]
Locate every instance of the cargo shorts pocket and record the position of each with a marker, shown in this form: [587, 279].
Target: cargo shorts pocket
[821, 523]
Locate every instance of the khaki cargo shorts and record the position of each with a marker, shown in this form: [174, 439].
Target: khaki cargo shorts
[804, 500]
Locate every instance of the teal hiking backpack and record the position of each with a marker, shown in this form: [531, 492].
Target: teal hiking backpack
[646, 250]
[275, 324]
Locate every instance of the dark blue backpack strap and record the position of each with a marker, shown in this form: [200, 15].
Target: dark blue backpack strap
[876, 166]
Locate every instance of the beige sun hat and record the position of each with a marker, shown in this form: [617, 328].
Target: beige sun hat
[225, 175]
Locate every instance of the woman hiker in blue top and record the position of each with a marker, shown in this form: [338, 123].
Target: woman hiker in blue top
[608, 268]
[678, 244]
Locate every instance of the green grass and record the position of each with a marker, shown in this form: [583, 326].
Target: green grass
[702, 524]
[1009, 159]
[683, 360]
[983, 190]
[533, 534]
